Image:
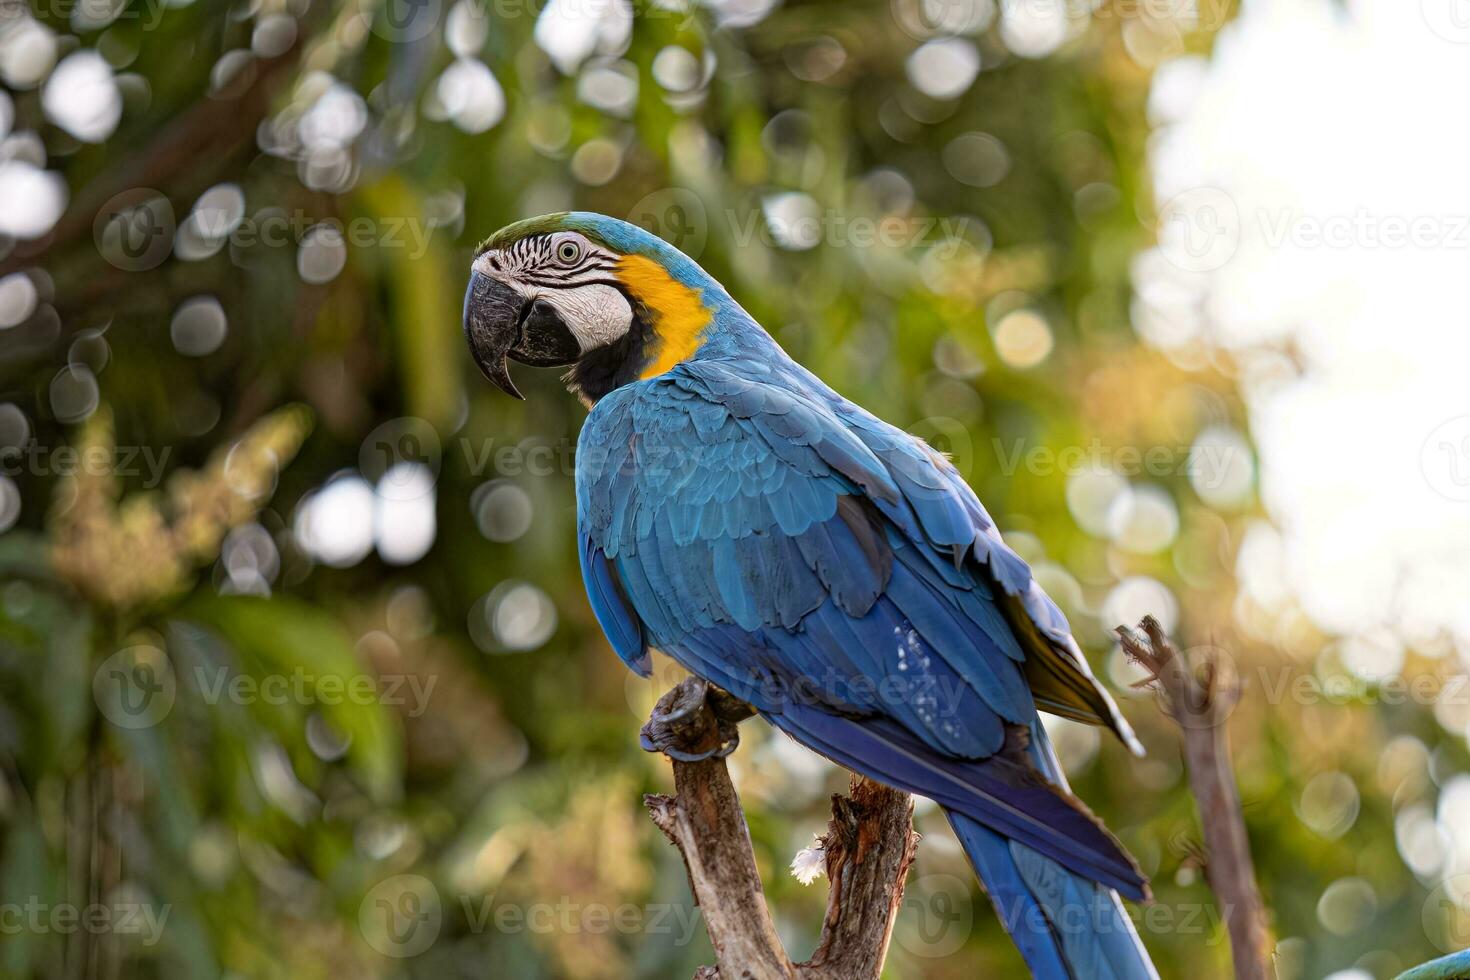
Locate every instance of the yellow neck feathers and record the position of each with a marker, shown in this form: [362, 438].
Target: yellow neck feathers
[680, 317]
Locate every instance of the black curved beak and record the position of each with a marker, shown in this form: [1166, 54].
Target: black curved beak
[500, 323]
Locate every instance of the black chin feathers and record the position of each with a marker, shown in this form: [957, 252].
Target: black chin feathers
[609, 367]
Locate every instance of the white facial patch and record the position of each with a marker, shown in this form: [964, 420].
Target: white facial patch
[596, 313]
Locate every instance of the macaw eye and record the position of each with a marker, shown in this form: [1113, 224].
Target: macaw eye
[568, 252]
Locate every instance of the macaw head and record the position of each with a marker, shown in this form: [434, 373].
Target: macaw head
[588, 291]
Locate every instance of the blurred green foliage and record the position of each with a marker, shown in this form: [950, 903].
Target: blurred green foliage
[291, 732]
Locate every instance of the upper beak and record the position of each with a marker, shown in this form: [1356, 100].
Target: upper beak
[492, 323]
[499, 323]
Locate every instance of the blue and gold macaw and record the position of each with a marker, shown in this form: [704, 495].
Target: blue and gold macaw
[820, 564]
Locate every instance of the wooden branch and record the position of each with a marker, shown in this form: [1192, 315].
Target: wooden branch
[704, 820]
[1199, 704]
[869, 845]
[868, 848]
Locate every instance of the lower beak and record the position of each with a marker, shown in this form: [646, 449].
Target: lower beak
[500, 323]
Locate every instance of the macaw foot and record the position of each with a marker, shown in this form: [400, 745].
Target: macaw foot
[695, 721]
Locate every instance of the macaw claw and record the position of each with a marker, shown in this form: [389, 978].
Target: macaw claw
[695, 721]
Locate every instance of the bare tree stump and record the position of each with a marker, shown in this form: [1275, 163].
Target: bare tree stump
[868, 848]
[1199, 704]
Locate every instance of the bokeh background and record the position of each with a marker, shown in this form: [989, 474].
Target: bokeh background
[296, 674]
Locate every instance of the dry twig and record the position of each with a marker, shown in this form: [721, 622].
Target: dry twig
[868, 848]
[1199, 703]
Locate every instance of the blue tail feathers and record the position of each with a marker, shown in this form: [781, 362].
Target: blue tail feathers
[1066, 927]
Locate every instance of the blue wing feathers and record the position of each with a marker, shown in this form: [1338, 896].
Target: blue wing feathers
[854, 576]
[1005, 566]
[993, 674]
[977, 604]
[610, 606]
